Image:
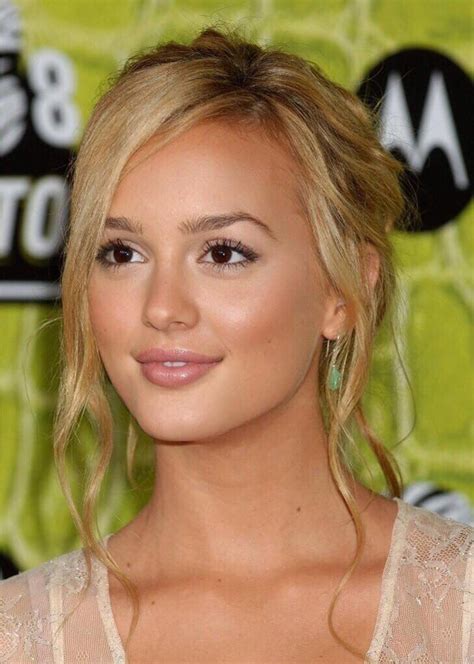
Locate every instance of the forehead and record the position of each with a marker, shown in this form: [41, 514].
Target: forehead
[211, 168]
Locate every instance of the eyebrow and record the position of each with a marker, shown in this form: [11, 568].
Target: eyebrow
[192, 226]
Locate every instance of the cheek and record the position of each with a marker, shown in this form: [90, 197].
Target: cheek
[274, 328]
[111, 316]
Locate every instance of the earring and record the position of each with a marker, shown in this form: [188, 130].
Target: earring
[334, 376]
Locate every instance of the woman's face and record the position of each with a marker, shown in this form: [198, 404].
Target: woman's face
[248, 294]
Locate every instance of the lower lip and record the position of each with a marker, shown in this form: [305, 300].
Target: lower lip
[159, 374]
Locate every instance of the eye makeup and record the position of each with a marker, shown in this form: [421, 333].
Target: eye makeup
[117, 253]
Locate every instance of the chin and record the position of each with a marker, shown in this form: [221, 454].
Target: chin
[164, 425]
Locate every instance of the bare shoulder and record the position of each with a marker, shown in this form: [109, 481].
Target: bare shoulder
[379, 516]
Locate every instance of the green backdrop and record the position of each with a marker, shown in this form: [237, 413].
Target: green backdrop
[345, 37]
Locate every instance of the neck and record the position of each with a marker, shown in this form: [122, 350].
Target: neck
[253, 500]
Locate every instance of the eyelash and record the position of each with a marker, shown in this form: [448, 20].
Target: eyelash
[250, 255]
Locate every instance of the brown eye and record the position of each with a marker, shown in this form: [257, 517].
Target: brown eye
[122, 254]
[221, 254]
[221, 250]
[116, 253]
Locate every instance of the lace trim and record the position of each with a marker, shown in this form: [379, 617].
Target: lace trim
[28, 630]
[105, 610]
[427, 581]
[389, 577]
[468, 615]
[436, 577]
[58, 572]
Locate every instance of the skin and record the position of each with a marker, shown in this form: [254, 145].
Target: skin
[244, 506]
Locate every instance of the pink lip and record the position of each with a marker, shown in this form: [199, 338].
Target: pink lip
[174, 355]
[158, 374]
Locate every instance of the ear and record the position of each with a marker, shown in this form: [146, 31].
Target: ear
[372, 263]
[338, 318]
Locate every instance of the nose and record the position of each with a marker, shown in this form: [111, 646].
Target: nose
[169, 299]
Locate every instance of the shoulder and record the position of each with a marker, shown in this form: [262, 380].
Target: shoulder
[68, 571]
[26, 601]
[432, 534]
[435, 582]
[436, 551]
[427, 603]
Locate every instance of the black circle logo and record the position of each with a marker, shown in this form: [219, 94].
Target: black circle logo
[424, 105]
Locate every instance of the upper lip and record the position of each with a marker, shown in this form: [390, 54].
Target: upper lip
[174, 355]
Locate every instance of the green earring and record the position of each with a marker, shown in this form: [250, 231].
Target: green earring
[334, 379]
[334, 376]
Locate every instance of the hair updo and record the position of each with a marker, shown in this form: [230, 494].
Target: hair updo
[348, 186]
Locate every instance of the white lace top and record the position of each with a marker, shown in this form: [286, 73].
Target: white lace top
[425, 616]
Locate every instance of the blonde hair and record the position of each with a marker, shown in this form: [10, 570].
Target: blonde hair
[348, 185]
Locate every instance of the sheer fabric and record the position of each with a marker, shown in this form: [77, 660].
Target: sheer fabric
[425, 614]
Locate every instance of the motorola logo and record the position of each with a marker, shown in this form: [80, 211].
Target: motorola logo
[424, 105]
